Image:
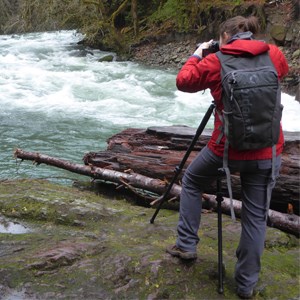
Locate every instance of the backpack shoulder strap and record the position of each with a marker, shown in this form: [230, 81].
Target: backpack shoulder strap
[223, 59]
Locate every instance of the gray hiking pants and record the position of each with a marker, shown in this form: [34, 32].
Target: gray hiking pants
[255, 176]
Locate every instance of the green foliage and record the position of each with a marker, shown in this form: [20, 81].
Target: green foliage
[178, 11]
[168, 10]
[110, 25]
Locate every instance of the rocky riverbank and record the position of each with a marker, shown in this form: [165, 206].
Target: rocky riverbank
[174, 54]
[79, 244]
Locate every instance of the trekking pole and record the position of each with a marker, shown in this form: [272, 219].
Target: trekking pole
[179, 168]
[219, 199]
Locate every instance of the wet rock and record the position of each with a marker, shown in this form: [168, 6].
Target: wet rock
[122, 256]
[106, 58]
[131, 284]
[64, 254]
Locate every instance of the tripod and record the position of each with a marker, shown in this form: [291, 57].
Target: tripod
[219, 198]
[179, 168]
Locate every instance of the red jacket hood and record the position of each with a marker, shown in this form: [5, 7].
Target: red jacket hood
[245, 47]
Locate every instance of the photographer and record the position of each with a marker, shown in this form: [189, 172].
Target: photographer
[202, 72]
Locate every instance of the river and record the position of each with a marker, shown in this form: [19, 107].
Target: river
[57, 99]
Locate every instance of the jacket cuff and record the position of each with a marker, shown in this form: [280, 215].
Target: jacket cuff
[197, 56]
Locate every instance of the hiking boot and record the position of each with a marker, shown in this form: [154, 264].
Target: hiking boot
[245, 295]
[175, 251]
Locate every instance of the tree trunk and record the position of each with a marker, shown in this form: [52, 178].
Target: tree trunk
[135, 17]
[286, 222]
[120, 9]
[157, 151]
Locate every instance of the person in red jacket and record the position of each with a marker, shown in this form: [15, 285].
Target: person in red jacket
[200, 73]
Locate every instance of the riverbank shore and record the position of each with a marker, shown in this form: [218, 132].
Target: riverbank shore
[174, 54]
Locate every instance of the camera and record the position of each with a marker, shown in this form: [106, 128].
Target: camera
[213, 48]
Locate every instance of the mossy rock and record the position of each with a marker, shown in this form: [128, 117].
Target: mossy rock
[296, 54]
[278, 33]
[83, 245]
[106, 58]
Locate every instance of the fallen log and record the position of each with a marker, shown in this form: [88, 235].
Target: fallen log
[157, 151]
[130, 179]
[286, 222]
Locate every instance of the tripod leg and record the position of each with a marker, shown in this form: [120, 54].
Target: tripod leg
[220, 246]
[183, 161]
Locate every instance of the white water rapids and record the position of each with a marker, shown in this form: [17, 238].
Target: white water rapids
[56, 98]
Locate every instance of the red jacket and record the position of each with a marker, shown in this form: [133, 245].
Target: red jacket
[200, 74]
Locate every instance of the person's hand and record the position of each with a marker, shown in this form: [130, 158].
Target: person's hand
[202, 46]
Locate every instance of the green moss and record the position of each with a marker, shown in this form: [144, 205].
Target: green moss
[124, 255]
[176, 11]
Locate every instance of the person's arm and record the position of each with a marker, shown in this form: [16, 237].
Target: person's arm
[199, 74]
[279, 61]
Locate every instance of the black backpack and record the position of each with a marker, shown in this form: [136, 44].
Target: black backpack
[252, 106]
[252, 101]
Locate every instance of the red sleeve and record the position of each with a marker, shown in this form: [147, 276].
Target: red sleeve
[279, 61]
[197, 75]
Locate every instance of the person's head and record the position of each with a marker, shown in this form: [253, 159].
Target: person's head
[235, 25]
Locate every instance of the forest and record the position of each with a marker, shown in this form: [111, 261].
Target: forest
[116, 25]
